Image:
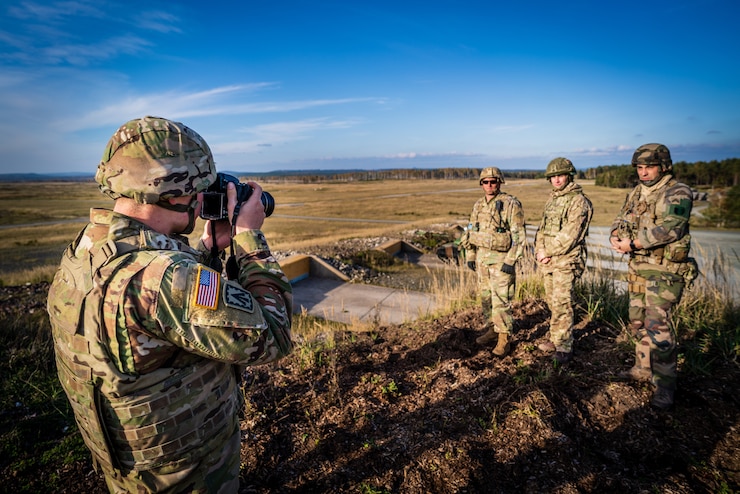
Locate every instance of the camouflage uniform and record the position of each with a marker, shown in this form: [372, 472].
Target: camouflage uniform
[495, 237]
[657, 215]
[562, 237]
[149, 345]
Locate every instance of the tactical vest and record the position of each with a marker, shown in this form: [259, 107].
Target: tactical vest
[130, 422]
[641, 214]
[490, 229]
[556, 213]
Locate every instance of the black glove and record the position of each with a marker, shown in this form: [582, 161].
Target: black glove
[471, 265]
[507, 268]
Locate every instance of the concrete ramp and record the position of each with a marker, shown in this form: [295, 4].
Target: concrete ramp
[323, 291]
[399, 247]
[357, 303]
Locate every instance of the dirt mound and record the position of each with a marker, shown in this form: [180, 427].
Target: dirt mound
[419, 409]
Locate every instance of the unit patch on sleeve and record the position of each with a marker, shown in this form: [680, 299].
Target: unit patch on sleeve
[207, 288]
[237, 297]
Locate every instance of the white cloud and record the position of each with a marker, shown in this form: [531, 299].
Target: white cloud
[217, 101]
[55, 11]
[273, 134]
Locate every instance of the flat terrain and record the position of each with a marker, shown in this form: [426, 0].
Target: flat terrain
[39, 219]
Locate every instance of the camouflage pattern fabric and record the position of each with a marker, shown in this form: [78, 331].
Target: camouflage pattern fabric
[653, 295]
[153, 158]
[149, 343]
[657, 216]
[561, 236]
[497, 287]
[482, 245]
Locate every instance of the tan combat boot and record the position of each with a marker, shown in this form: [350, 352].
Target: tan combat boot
[486, 338]
[503, 345]
[641, 371]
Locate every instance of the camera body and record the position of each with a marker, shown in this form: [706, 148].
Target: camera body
[215, 202]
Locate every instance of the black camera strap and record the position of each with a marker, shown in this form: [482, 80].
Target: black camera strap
[215, 263]
[232, 268]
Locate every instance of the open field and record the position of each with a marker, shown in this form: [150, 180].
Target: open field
[40, 219]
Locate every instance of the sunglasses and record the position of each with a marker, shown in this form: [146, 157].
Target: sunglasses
[489, 182]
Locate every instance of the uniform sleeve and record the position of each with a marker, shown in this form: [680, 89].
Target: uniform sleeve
[620, 221]
[539, 238]
[577, 220]
[245, 322]
[676, 211]
[518, 231]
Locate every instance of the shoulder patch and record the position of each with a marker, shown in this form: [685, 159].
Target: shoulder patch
[207, 286]
[237, 297]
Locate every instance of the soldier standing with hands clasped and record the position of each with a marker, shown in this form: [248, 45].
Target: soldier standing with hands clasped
[493, 242]
[149, 340]
[653, 228]
[560, 250]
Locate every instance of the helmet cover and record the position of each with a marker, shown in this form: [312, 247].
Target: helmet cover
[653, 154]
[491, 172]
[560, 166]
[152, 158]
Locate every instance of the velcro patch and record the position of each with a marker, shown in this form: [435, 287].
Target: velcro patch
[207, 288]
[681, 209]
[238, 298]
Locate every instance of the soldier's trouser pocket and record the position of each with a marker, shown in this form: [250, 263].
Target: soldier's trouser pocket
[635, 283]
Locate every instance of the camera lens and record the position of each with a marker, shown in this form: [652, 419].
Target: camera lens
[268, 202]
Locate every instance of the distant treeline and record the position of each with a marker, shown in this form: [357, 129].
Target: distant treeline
[304, 176]
[723, 209]
[725, 173]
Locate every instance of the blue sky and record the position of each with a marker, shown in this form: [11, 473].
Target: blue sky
[372, 84]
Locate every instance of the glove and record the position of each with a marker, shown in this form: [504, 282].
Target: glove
[471, 265]
[507, 268]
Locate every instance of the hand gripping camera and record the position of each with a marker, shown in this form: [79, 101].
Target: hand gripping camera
[215, 202]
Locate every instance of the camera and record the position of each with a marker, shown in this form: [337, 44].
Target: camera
[215, 202]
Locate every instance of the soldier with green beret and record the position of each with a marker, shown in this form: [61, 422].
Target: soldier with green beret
[494, 242]
[560, 251]
[150, 341]
[653, 229]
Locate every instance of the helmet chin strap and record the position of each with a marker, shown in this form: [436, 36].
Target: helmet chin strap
[663, 173]
[182, 208]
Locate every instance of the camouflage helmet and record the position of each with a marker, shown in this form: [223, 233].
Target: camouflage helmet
[491, 172]
[653, 154]
[560, 166]
[151, 158]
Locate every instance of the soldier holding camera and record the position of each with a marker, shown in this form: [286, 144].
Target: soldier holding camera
[494, 241]
[149, 340]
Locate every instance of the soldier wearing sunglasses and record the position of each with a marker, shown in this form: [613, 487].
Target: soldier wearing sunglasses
[493, 242]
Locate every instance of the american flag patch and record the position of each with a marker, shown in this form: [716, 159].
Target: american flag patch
[206, 293]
